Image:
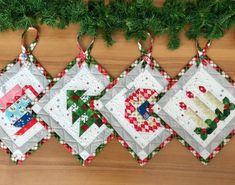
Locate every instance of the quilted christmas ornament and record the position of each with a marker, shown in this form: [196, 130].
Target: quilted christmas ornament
[68, 107]
[21, 82]
[200, 106]
[128, 106]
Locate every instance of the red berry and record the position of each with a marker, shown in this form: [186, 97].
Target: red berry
[226, 107]
[203, 130]
[216, 120]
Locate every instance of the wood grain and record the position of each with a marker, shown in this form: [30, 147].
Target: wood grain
[53, 165]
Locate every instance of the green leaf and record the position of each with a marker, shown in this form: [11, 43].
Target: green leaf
[226, 113]
[226, 101]
[208, 121]
[211, 124]
[203, 137]
[218, 112]
[222, 117]
[198, 130]
[232, 106]
[209, 130]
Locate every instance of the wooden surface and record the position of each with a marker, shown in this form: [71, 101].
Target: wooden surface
[52, 164]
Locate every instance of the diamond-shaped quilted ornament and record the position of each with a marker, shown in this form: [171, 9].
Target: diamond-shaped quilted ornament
[128, 107]
[200, 107]
[21, 82]
[68, 107]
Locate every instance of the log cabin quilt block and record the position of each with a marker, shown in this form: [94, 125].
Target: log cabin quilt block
[128, 107]
[21, 131]
[200, 107]
[68, 108]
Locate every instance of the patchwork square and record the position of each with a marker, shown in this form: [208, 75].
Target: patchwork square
[138, 110]
[68, 108]
[21, 131]
[200, 107]
[127, 105]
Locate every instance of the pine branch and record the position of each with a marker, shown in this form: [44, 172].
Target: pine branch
[208, 19]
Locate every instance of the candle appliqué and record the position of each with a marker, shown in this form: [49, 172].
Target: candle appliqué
[206, 126]
[200, 105]
[211, 98]
[192, 115]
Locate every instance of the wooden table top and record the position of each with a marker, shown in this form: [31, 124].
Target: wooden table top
[52, 164]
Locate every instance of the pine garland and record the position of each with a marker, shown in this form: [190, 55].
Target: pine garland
[206, 18]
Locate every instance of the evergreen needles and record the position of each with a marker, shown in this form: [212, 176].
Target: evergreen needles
[206, 18]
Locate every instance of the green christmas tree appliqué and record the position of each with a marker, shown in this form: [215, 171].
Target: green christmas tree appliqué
[82, 114]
